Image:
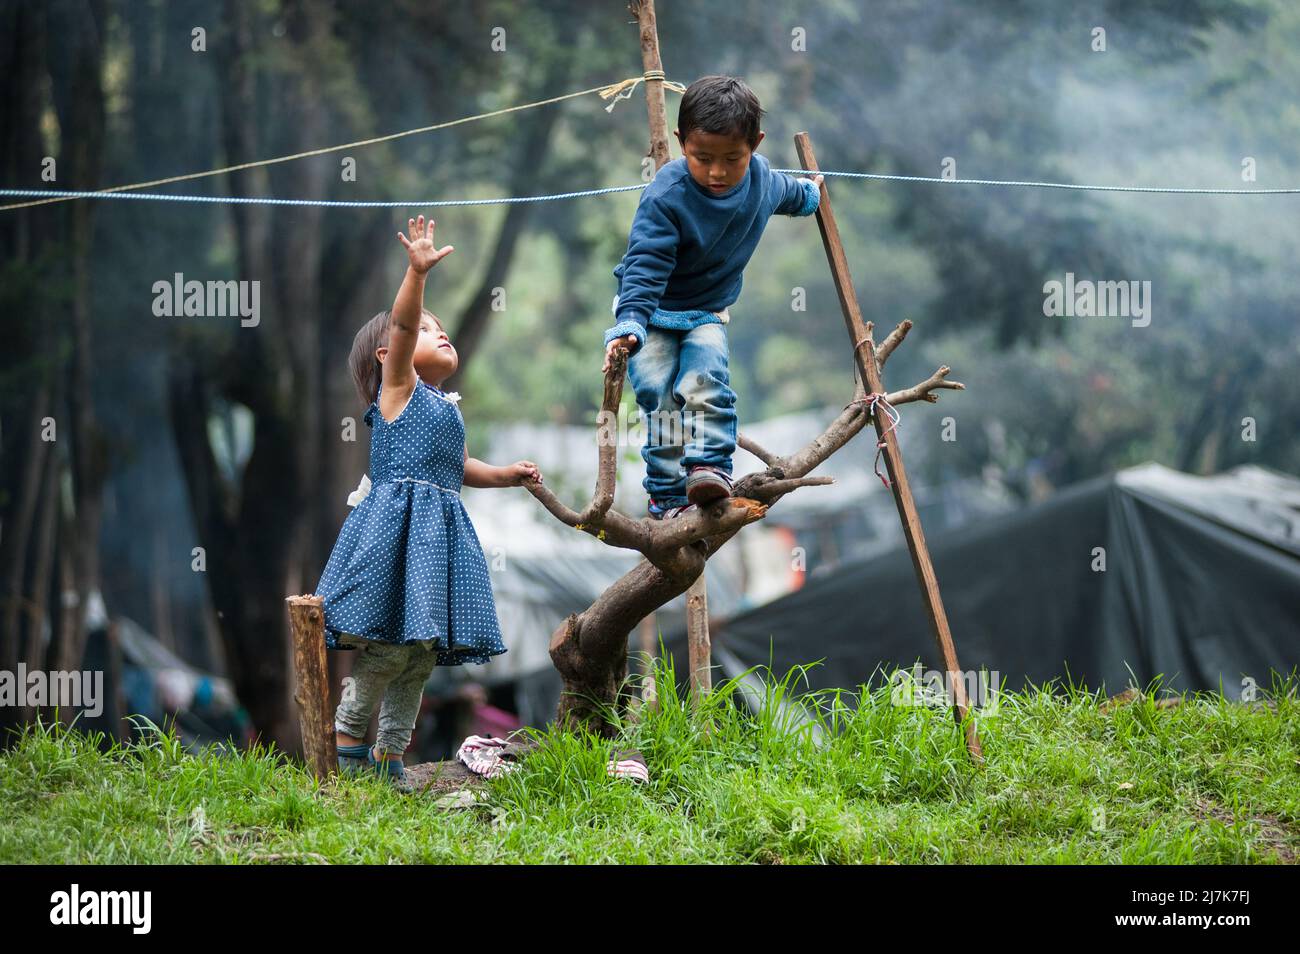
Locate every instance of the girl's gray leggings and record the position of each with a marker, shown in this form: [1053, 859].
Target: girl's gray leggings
[393, 677]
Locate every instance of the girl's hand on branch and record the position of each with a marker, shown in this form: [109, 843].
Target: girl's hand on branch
[520, 472]
[420, 248]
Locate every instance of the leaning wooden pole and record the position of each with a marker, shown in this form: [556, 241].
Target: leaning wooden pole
[864, 354]
[311, 684]
[697, 597]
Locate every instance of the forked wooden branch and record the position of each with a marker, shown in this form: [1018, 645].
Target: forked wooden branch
[662, 542]
[590, 648]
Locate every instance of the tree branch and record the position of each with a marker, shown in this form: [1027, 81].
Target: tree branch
[589, 649]
[751, 445]
[665, 544]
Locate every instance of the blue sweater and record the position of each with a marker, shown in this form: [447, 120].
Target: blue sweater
[688, 248]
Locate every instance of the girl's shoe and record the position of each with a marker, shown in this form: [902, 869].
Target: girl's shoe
[390, 769]
[487, 756]
[629, 764]
[352, 759]
[704, 485]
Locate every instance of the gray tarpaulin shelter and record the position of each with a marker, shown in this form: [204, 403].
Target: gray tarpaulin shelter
[1201, 585]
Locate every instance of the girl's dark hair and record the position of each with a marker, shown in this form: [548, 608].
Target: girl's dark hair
[723, 105]
[366, 370]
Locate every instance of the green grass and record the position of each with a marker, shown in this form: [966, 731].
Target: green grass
[1210, 781]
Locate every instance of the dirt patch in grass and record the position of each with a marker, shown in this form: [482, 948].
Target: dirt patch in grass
[439, 778]
[1275, 835]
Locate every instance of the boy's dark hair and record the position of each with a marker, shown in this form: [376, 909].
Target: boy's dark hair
[366, 370]
[723, 105]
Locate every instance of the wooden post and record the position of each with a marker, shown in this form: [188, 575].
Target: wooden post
[864, 355]
[649, 692]
[697, 638]
[644, 10]
[311, 688]
[697, 598]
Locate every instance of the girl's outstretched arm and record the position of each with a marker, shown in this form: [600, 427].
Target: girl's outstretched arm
[404, 324]
[479, 474]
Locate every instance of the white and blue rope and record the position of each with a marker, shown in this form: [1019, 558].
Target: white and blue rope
[587, 193]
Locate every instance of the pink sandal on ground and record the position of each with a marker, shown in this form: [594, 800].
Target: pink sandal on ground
[629, 764]
[486, 756]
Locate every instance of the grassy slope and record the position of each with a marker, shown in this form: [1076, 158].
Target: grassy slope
[1065, 781]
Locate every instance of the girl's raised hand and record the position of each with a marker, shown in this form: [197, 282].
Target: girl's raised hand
[420, 248]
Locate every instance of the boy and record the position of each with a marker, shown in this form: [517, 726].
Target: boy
[695, 229]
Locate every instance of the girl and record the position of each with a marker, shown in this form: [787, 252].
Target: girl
[407, 583]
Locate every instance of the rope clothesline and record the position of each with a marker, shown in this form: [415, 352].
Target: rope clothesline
[611, 91]
[1049, 185]
[58, 195]
[327, 203]
[614, 92]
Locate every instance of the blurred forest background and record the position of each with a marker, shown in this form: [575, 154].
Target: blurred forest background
[176, 433]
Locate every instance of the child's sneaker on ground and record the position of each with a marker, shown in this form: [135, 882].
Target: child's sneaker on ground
[352, 759]
[704, 485]
[391, 769]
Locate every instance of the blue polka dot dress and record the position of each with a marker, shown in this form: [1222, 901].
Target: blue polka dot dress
[408, 567]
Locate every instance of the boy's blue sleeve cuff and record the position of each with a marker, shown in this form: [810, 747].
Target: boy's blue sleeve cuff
[626, 327]
[812, 197]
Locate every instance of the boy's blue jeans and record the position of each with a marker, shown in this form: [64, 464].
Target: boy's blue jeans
[682, 387]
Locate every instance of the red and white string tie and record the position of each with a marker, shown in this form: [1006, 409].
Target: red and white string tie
[873, 400]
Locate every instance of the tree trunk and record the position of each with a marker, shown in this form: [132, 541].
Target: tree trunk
[79, 99]
[28, 360]
[590, 648]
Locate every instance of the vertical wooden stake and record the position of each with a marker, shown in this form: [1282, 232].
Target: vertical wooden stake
[644, 10]
[649, 692]
[311, 689]
[697, 600]
[864, 354]
[697, 638]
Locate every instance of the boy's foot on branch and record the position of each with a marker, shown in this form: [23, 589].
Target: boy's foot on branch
[660, 512]
[704, 485]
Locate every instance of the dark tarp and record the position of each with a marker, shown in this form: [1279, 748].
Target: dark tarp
[1201, 585]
